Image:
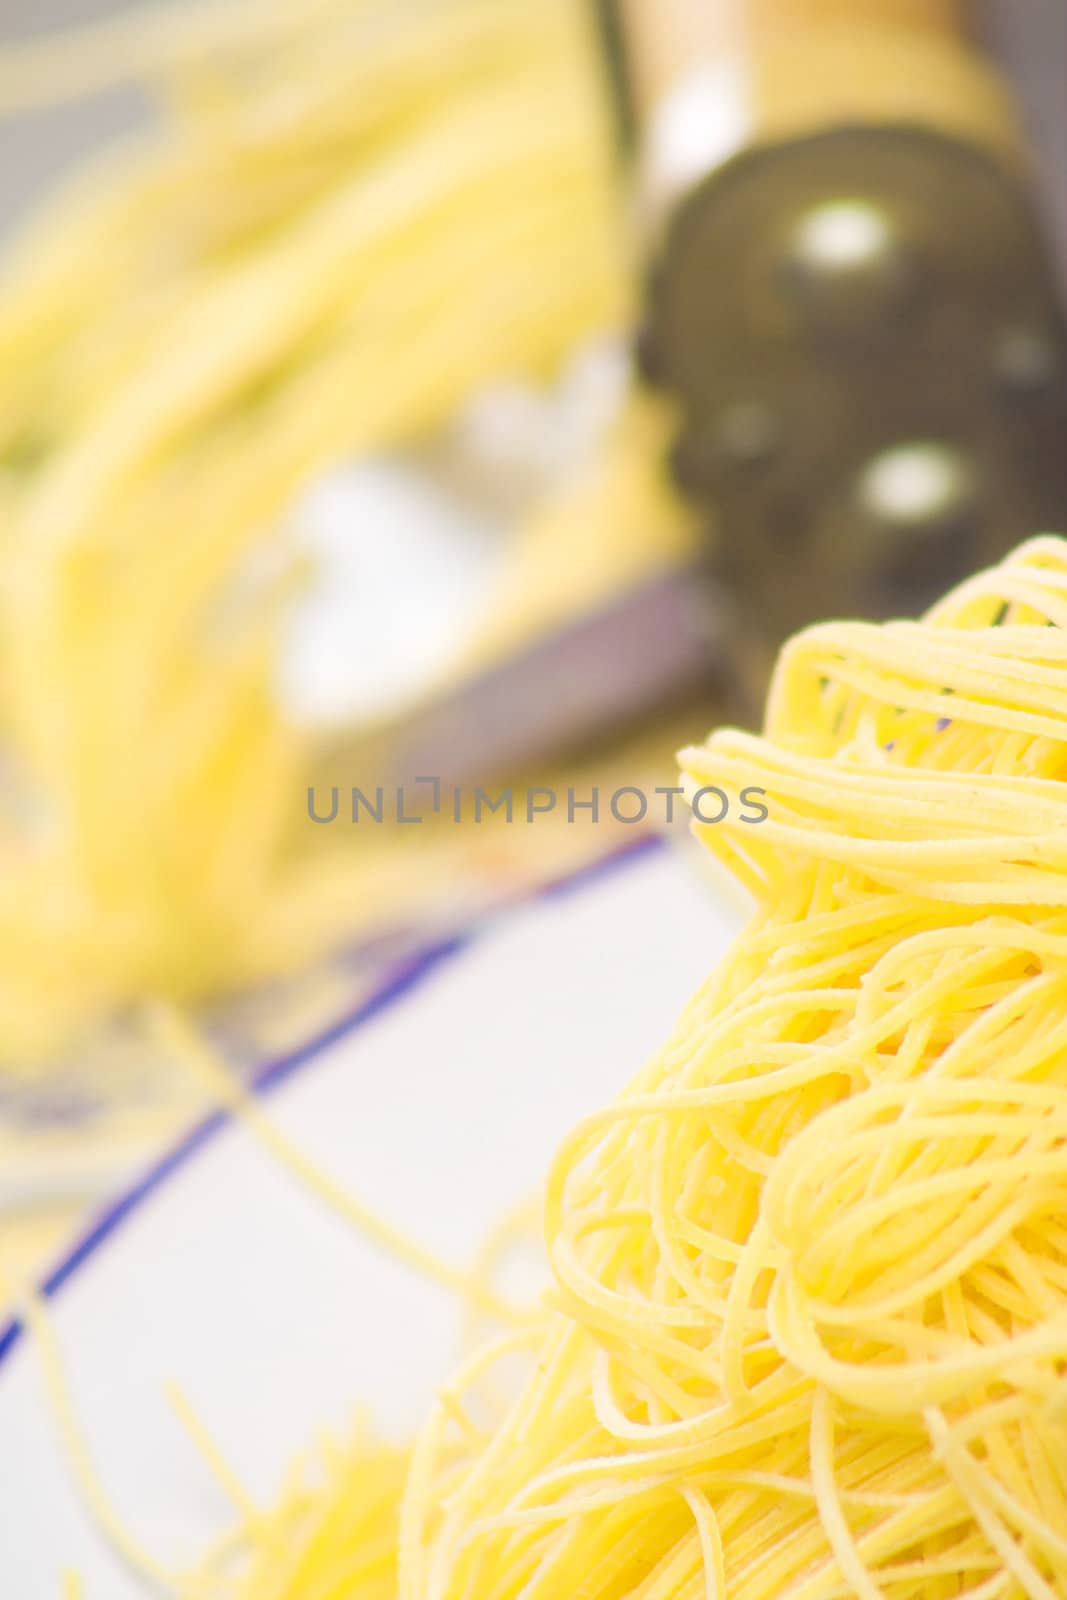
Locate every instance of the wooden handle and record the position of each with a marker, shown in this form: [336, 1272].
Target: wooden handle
[947, 18]
[667, 36]
[710, 77]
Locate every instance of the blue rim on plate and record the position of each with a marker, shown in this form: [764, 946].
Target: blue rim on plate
[407, 975]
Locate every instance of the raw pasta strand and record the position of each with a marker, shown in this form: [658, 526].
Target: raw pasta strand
[811, 1267]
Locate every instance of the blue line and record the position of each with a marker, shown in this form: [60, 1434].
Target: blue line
[632, 850]
[408, 975]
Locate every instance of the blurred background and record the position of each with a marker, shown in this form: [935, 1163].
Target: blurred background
[454, 389]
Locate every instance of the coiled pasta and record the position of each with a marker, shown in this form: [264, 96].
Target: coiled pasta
[807, 1338]
[809, 1329]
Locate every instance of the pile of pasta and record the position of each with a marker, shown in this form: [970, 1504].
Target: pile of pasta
[348, 217]
[807, 1335]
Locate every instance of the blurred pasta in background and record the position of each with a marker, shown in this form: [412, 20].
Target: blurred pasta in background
[806, 1328]
[349, 217]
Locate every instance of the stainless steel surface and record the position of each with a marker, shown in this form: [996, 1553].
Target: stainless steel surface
[658, 644]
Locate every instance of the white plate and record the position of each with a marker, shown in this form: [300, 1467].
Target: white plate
[440, 1104]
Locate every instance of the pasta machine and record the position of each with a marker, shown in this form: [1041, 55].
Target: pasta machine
[850, 285]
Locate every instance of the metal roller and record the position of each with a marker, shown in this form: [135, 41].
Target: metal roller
[848, 291]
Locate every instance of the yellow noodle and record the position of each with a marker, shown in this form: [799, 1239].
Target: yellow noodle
[808, 1334]
[182, 1041]
[293, 267]
[334, 1536]
[820, 1220]
[127, 1548]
